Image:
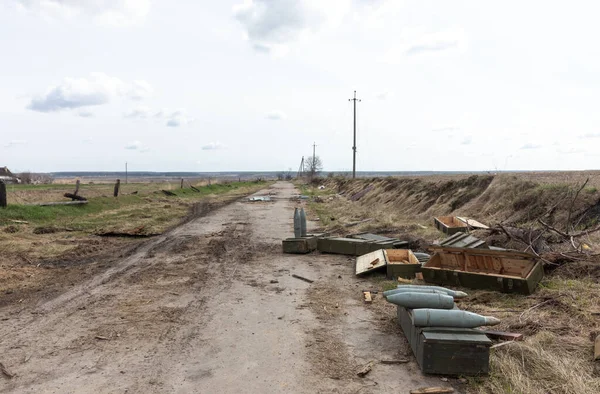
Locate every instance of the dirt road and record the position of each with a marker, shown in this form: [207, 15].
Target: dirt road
[210, 307]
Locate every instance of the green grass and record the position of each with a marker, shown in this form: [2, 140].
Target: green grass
[106, 210]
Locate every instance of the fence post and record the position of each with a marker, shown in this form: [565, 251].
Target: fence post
[181, 183]
[117, 185]
[2, 195]
[76, 188]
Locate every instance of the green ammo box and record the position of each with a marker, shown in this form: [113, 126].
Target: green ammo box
[447, 350]
[299, 245]
[505, 271]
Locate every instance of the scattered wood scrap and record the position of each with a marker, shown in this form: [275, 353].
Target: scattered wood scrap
[505, 336]
[168, 193]
[399, 361]
[6, 372]
[20, 221]
[302, 278]
[357, 223]
[597, 348]
[433, 390]
[195, 189]
[501, 344]
[101, 338]
[367, 295]
[75, 197]
[48, 204]
[365, 369]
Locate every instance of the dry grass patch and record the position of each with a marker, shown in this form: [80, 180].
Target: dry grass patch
[545, 363]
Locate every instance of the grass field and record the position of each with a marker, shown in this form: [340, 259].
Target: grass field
[148, 211]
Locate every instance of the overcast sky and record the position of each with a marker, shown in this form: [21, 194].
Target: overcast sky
[198, 85]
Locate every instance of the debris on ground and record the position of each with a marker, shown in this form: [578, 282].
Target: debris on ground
[365, 369]
[399, 361]
[433, 390]
[302, 278]
[259, 198]
[6, 372]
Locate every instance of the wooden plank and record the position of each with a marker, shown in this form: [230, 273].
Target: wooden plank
[432, 390]
[367, 296]
[48, 204]
[370, 262]
[506, 336]
[472, 223]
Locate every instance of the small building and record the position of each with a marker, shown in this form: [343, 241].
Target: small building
[8, 177]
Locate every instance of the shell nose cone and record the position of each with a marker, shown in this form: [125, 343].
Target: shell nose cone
[460, 294]
[491, 321]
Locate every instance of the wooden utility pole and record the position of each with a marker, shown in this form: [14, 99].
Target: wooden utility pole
[354, 146]
[2, 195]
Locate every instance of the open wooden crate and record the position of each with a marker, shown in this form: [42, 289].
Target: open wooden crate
[401, 263]
[450, 224]
[506, 271]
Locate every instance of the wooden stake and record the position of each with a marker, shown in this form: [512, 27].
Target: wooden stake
[181, 183]
[76, 188]
[117, 186]
[3, 202]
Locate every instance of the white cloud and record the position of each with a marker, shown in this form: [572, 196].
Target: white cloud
[444, 129]
[413, 42]
[213, 146]
[570, 151]
[530, 145]
[384, 95]
[269, 25]
[134, 145]
[276, 115]
[177, 118]
[467, 140]
[85, 114]
[140, 90]
[98, 89]
[103, 12]
[590, 135]
[12, 143]
[140, 112]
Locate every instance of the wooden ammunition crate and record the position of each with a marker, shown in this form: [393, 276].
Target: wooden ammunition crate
[401, 263]
[350, 246]
[446, 350]
[299, 245]
[450, 224]
[505, 271]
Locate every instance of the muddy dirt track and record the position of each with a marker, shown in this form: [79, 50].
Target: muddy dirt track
[210, 307]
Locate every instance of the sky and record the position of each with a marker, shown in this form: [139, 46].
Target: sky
[244, 85]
